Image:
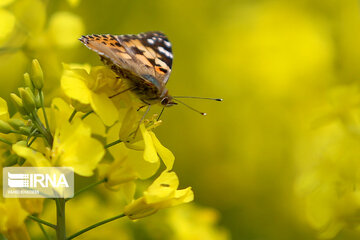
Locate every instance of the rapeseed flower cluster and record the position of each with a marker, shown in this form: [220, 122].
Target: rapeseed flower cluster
[98, 135]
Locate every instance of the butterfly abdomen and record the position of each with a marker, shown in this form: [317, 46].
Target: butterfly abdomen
[145, 91]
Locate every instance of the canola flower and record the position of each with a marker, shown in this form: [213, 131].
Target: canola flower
[29, 30]
[328, 183]
[92, 132]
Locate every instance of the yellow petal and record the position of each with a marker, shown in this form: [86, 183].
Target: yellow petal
[96, 125]
[85, 158]
[4, 114]
[15, 213]
[73, 66]
[33, 157]
[32, 205]
[74, 147]
[112, 136]
[19, 233]
[139, 209]
[74, 86]
[143, 168]
[128, 190]
[150, 153]
[166, 155]
[58, 115]
[130, 119]
[104, 108]
[163, 188]
[120, 172]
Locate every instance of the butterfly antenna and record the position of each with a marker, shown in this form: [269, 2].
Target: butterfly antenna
[215, 99]
[202, 113]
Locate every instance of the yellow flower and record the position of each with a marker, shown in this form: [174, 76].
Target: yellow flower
[92, 88]
[34, 158]
[146, 140]
[73, 144]
[162, 193]
[137, 159]
[120, 176]
[32, 205]
[12, 218]
[4, 114]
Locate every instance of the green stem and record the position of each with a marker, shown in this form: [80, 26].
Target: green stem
[43, 108]
[36, 219]
[95, 225]
[86, 114]
[60, 216]
[42, 129]
[44, 232]
[5, 141]
[72, 115]
[32, 141]
[112, 144]
[87, 188]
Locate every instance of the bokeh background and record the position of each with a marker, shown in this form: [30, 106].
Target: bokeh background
[279, 158]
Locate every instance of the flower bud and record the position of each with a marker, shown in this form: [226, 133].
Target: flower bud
[28, 99]
[16, 123]
[18, 103]
[38, 100]
[22, 143]
[5, 127]
[20, 161]
[25, 130]
[27, 81]
[10, 160]
[37, 75]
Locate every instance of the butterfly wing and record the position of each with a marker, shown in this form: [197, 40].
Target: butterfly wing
[148, 55]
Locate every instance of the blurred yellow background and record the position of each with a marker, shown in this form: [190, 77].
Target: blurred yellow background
[277, 157]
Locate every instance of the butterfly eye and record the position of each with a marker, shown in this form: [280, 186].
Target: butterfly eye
[165, 101]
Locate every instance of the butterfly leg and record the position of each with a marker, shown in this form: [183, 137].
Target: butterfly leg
[131, 88]
[142, 107]
[142, 118]
[162, 110]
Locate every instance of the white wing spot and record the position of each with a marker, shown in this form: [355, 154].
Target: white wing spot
[151, 41]
[167, 43]
[164, 51]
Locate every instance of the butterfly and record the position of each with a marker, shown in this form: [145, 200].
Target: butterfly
[143, 60]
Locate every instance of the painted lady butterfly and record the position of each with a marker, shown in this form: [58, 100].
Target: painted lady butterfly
[144, 60]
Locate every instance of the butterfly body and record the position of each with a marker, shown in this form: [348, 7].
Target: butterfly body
[143, 60]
